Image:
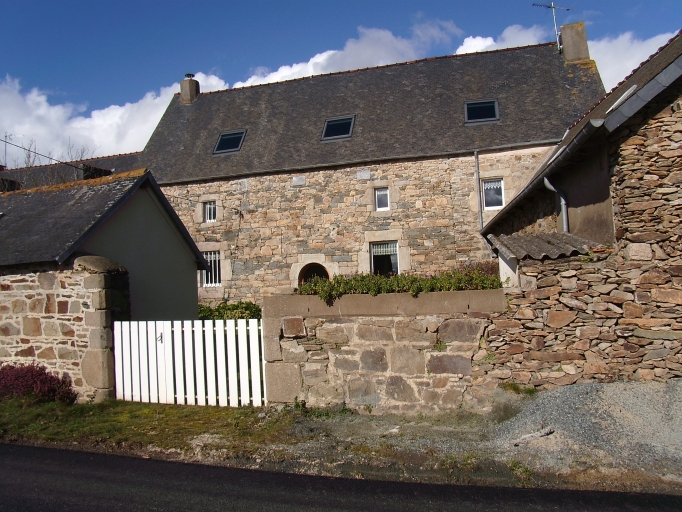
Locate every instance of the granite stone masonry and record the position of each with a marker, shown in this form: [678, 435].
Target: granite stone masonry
[267, 228]
[61, 316]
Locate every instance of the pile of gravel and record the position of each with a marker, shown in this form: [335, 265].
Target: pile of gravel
[634, 425]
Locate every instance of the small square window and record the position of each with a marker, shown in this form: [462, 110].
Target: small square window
[384, 258]
[229, 142]
[481, 111]
[210, 211]
[381, 199]
[211, 277]
[493, 194]
[338, 128]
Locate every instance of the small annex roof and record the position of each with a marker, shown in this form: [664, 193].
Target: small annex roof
[645, 82]
[400, 111]
[47, 224]
[64, 172]
[540, 245]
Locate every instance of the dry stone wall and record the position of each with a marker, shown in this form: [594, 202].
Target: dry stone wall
[267, 225]
[61, 316]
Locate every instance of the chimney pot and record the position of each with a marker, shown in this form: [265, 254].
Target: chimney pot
[574, 42]
[189, 89]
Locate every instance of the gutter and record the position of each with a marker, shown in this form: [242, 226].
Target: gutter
[561, 157]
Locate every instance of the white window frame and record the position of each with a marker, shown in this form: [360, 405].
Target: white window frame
[372, 245]
[210, 279]
[376, 199]
[210, 211]
[489, 180]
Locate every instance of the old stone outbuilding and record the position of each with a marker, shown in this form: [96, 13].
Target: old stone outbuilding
[77, 256]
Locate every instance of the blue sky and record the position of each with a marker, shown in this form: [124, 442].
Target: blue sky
[100, 73]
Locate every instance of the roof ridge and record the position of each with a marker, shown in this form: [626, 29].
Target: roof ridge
[382, 66]
[91, 182]
[70, 162]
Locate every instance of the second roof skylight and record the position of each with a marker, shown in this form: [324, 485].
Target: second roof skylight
[338, 128]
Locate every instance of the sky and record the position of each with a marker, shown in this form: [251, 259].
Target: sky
[93, 77]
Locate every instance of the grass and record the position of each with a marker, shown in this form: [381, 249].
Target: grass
[517, 388]
[128, 424]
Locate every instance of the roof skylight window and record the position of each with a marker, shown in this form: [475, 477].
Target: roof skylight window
[481, 111]
[338, 128]
[229, 142]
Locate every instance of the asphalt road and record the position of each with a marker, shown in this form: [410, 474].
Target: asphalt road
[43, 479]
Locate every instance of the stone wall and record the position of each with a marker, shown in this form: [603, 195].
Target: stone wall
[61, 316]
[411, 354]
[268, 227]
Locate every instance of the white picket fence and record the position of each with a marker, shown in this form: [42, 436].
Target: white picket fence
[194, 362]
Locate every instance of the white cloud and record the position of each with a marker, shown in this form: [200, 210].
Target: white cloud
[617, 56]
[373, 47]
[115, 129]
[514, 35]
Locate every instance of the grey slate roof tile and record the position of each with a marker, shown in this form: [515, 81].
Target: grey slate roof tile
[402, 111]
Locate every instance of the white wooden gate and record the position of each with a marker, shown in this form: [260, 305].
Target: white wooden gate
[194, 362]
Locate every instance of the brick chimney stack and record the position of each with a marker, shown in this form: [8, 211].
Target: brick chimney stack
[574, 42]
[189, 89]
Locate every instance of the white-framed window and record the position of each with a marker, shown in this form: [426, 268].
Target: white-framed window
[384, 257]
[210, 211]
[211, 277]
[493, 194]
[381, 199]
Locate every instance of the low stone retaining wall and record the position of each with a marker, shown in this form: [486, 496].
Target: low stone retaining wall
[61, 316]
[390, 352]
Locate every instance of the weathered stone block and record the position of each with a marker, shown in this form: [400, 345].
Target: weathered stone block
[97, 367]
[98, 319]
[66, 330]
[408, 361]
[659, 353]
[632, 310]
[666, 295]
[547, 281]
[543, 293]
[588, 332]
[67, 353]
[46, 353]
[559, 319]
[655, 276]
[374, 360]
[362, 391]
[658, 335]
[283, 382]
[332, 333]
[100, 338]
[46, 281]
[527, 282]
[463, 331]
[373, 333]
[31, 327]
[448, 363]
[36, 305]
[314, 373]
[525, 314]
[399, 389]
[555, 356]
[346, 364]
[26, 352]
[325, 394]
[292, 352]
[293, 327]
[412, 330]
[8, 329]
[595, 367]
[96, 282]
[641, 252]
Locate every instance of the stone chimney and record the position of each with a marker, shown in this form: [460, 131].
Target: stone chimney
[189, 89]
[574, 42]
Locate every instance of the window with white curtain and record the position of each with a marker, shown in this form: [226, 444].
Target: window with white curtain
[384, 257]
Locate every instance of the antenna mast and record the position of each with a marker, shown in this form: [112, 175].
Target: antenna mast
[554, 8]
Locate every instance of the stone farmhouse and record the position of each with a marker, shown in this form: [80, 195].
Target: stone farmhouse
[613, 187]
[388, 169]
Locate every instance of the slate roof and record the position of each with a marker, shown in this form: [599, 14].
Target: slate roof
[52, 174]
[541, 245]
[49, 223]
[650, 78]
[407, 110]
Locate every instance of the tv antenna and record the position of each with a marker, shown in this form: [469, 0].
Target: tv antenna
[554, 8]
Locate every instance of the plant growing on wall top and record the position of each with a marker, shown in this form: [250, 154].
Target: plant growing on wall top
[474, 276]
[234, 311]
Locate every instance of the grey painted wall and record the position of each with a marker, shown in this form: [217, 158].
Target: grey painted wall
[162, 270]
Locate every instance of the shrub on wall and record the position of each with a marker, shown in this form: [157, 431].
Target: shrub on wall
[34, 382]
[474, 276]
[225, 311]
